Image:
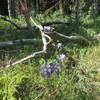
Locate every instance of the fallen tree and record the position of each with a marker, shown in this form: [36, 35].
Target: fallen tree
[43, 24]
[20, 42]
[32, 41]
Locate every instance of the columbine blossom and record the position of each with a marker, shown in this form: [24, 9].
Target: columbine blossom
[48, 29]
[52, 67]
[45, 70]
[62, 57]
[48, 69]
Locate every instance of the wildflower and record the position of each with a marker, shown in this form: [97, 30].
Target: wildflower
[45, 70]
[57, 68]
[59, 45]
[62, 57]
[48, 69]
[48, 29]
[52, 66]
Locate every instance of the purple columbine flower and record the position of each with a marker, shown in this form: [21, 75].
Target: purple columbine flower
[48, 29]
[48, 69]
[45, 70]
[62, 57]
[52, 67]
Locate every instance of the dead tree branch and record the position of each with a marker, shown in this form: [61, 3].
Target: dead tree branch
[55, 5]
[45, 43]
[74, 38]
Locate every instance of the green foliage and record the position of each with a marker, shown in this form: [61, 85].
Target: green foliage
[26, 83]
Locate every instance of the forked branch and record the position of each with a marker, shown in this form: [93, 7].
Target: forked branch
[45, 43]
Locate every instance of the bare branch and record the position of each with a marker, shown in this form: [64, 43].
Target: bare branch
[26, 58]
[55, 5]
[45, 43]
[74, 38]
[37, 25]
[32, 55]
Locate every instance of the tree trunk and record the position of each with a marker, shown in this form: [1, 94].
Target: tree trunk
[61, 7]
[37, 6]
[9, 8]
[98, 7]
[77, 10]
[13, 12]
[28, 22]
[95, 7]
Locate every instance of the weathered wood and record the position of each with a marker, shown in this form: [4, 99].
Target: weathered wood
[74, 38]
[20, 42]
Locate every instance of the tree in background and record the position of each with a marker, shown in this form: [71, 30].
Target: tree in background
[98, 7]
[77, 10]
[61, 7]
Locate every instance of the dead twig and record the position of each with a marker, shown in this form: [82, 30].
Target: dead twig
[74, 38]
